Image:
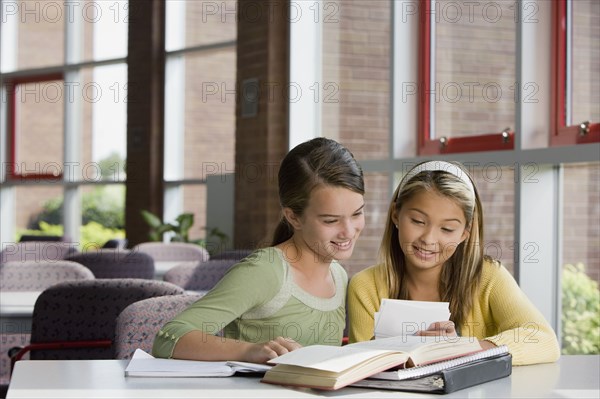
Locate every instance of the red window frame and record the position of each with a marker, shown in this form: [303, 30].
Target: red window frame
[562, 134]
[11, 85]
[484, 142]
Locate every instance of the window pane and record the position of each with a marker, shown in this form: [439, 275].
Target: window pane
[585, 61]
[103, 96]
[581, 259]
[102, 215]
[377, 200]
[196, 23]
[105, 25]
[496, 188]
[39, 210]
[581, 216]
[32, 34]
[209, 113]
[194, 201]
[473, 68]
[39, 126]
[355, 89]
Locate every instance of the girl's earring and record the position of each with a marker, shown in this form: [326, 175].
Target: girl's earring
[396, 227]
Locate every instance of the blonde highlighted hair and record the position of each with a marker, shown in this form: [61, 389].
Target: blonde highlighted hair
[460, 276]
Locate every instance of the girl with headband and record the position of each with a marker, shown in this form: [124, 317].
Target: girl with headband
[432, 250]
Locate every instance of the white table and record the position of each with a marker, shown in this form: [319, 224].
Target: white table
[16, 309]
[570, 377]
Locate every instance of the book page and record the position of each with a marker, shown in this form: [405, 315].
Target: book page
[425, 349]
[406, 317]
[404, 343]
[330, 358]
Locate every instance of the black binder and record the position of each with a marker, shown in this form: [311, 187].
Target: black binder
[450, 379]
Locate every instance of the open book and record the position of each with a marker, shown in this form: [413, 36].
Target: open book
[333, 367]
[143, 364]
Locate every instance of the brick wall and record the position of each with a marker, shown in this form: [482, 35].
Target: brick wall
[261, 141]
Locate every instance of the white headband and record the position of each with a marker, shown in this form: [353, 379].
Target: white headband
[434, 166]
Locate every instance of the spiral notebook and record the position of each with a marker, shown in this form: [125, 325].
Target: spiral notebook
[447, 376]
[420, 371]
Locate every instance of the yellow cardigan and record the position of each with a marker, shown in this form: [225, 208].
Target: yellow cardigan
[501, 313]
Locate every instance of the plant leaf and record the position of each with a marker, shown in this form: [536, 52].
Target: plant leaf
[150, 218]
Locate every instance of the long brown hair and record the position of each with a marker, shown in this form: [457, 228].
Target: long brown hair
[460, 276]
[320, 161]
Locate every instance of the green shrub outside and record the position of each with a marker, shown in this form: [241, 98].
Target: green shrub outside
[105, 205]
[92, 235]
[580, 312]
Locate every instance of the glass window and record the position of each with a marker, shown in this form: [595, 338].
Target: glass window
[33, 34]
[194, 201]
[105, 25]
[470, 90]
[585, 62]
[61, 118]
[581, 216]
[39, 210]
[497, 192]
[377, 201]
[355, 87]
[209, 113]
[198, 23]
[576, 59]
[103, 91]
[36, 106]
[102, 215]
[200, 103]
[581, 259]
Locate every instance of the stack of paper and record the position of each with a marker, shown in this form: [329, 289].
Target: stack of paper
[402, 317]
[143, 364]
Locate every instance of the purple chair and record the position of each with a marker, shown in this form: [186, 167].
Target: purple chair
[173, 251]
[31, 276]
[36, 250]
[139, 322]
[77, 319]
[201, 277]
[116, 263]
[39, 275]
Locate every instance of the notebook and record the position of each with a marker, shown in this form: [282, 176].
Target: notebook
[447, 376]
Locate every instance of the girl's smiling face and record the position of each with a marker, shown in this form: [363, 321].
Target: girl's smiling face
[430, 227]
[330, 224]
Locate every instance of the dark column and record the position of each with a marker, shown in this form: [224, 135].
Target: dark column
[145, 115]
[261, 131]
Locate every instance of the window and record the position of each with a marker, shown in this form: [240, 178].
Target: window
[35, 126]
[467, 76]
[452, 95]
[580, 263]
[576, 89]
[64, 93]
[200, 103]
[354, 92]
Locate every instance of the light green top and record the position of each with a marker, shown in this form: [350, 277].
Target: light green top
[257, 300]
